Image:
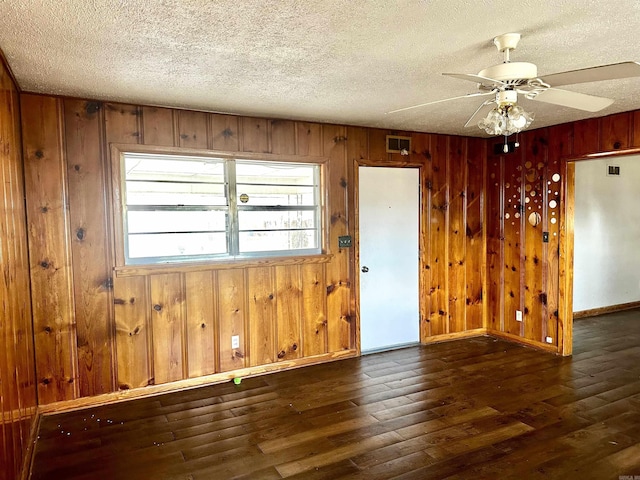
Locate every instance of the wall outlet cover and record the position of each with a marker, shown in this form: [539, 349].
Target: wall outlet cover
[344, 241]
[235, 341]
[518, 315]
[549, 340]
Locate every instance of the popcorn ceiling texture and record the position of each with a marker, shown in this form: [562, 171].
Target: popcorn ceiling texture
[326, 60]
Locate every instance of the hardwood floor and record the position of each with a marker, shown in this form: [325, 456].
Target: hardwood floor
[478, 408]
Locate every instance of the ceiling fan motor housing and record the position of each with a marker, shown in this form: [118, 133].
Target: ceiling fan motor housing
[506, 98]
[513, 73]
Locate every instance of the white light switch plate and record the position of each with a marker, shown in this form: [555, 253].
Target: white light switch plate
[235, 341]
[518, 315]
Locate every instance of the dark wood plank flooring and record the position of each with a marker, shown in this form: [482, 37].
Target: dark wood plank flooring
[478, 408]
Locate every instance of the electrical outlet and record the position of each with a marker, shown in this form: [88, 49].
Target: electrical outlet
[549, 340]
[518, 315]
[235, 341]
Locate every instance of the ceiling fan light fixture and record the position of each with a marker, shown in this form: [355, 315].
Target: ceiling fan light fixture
[506, 120]
[519, 118]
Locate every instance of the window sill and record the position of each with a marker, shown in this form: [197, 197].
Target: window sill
[178, 267]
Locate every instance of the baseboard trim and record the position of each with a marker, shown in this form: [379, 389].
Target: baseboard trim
[524, 341]
[448, 337]
[594, 312]
[18, 415]
[151, 390]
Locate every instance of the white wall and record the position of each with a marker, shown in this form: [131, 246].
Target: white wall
[607, 234]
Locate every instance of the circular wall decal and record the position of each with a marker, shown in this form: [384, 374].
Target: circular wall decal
[535, 218]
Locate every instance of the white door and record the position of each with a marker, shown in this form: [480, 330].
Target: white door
[389, 200]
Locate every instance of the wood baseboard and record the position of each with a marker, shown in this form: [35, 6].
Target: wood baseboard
[593, 312]
[447, 337]
[524, 341]
[151, 390]
[18, 415]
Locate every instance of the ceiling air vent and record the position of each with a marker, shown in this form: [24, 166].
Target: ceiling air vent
[396, 144]
[613, 170]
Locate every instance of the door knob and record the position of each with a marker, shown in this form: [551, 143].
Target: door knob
[364, 269]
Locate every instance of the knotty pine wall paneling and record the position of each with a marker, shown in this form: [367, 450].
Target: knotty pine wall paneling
[421, 152]
[542, 288]
[97, 329]
[313, 309]
[17, 377]
[474, 234]
[513, 233]
[102, 327]
[534, 300]
[54, 322]
[451, 225]
[559, 146]
[439, 226]
[168, 325]
[457, 202]
[133, 332]
[339, 316]
[231, 318]
[200, 321]
[261, 309]
[151, 326]
[288, 311]
[90, 248]
[495, 211]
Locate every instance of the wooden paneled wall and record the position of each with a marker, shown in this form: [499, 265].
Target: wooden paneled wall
[523, 271]
[99, 330]
[17, 382]
[452, 223]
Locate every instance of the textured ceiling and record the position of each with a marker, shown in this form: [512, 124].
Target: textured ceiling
[326, 60]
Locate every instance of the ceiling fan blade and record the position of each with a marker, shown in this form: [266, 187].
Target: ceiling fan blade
[477, 94]
[575, 100]
[594, 74]
[482, 110]
[475, 78]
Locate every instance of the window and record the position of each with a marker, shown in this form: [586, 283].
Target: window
[179, 208]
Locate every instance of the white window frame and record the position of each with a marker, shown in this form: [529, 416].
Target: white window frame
[231, 209]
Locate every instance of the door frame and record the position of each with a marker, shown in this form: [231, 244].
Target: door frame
[565, 300]
[424, 205]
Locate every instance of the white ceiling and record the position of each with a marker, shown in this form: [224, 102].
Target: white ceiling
[326, 60]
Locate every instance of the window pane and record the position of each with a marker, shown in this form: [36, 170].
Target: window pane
[173, 221]
[176, 244]
[277, 241]
[275, 173]
[177, 207]
[275, 195]
[164, 193]
[173, 168]
[261, 220]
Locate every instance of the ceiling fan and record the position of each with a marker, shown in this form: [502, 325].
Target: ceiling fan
[505, 81]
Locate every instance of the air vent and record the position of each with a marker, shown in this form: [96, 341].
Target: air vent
[613, 170]
[396, 144]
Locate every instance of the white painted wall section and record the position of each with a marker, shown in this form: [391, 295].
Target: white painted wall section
[607, 234]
